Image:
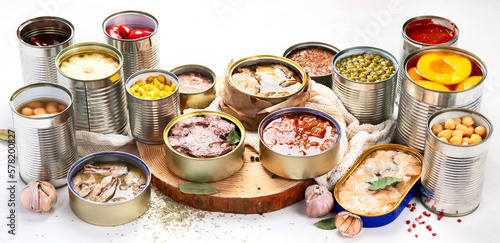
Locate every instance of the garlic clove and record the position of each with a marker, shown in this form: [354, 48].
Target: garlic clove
[319, 201]
[348, 224]
[38, 196]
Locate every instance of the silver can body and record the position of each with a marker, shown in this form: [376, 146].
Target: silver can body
[100, 104]
[453, 175]
[369, 102]
[408, 45]
[418, 103]
[197, 100]
[148, 118]
[38, 62]
[46, 145]
[138, 54]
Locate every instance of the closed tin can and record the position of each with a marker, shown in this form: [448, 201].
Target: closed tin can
[453, 175]
[109, 213]
[138, 54]
[100, 104]
[408, 45]
[148, 118]
[325, 79]
[369, 102]
[418, 103]
[303, 166]
[47, 145]
[38, 62]
[196, 100]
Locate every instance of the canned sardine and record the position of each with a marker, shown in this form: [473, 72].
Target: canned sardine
[40, 40]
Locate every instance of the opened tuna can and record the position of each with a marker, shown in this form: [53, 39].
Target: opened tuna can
[45, 133]
[453, 175]
[109, 188]
[40, 40]
[149, 113]
[93, 73]
[197, 86]
[140, 50]
[421, 98]
[424, 31]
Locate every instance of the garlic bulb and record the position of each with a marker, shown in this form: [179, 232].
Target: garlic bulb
[38, 196]
[348, 224]
[319, 201]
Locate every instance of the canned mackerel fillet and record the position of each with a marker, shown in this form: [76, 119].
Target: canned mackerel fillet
[453, 175]
[138, 54]
[46, 142]
[408, 45]
[418, 103]
[93, 73]
[40, 40]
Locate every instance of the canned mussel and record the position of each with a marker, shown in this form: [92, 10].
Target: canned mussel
[204, 146]
[109, 188]
[153, 101]
[311, 152]
[424, 31]
[316, 58]
[364, 79]
[380, 184]
[454, 161]
[436, 78]
[196, 86]
[93, 73]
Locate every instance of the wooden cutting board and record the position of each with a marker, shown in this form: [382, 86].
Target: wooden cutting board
[251, 190]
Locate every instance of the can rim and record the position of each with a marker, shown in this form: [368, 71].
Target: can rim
[196, 66]
[432, 17]
[304, 45]
[110, 17]
[271, 116]
[29, 21]
[151, 71]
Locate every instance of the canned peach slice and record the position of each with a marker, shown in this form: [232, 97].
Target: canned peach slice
[432, 85]
[444, 67]
[468, 83]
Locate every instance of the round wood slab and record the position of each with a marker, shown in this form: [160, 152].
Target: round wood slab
[251, 190]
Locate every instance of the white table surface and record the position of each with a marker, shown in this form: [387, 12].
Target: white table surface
[212, 32]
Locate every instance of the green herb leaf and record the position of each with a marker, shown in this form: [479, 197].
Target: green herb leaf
[4, 134]
[383, 182]
[197, 188]
[326, 224]
[233, 137]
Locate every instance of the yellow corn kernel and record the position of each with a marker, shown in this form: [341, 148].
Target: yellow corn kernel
[137, 95]
[172, 88]
[132, 91]
[166, 88]
[162, 86]
[146, 98]
[150, 78]
[161, 78]
[169, 92]
[141, 90]
[135, 86]
[157, 83]
[162, 93]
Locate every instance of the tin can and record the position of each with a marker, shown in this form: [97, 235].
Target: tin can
[298, 167]
[201, 99]
[418, 103]
[100, 104]
[38, 62]
[322, 79]
[453, 175]
[138, 54]
[110, 213]
[369, 102]
[205, 169]
[408, 45]
[46, 145]
[148, 118]
[377, 220]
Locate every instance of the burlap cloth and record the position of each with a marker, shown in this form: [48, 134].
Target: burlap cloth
[356, 138]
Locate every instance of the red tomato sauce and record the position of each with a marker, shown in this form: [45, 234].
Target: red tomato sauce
[425, 31]
[299, 134]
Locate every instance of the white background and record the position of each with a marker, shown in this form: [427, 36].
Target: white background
[211, 33]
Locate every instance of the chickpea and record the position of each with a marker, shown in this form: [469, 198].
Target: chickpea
[457, 133]
[34, 105]
[462, 128]
[27, 111]
[474, 138]
[458, 121]
[445, 134]
[39, 111]
[470, 131]
[480, 130]
[467, 120]
[456, 140]
[465, 139]
[449, 124]
[443, 139]
[437, 128]
[61, 107]
[51, 107]
[464, 143]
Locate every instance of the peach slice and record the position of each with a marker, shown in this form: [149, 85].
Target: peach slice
[444, 67]
[468, 83]
[414, 75]
[432, 85]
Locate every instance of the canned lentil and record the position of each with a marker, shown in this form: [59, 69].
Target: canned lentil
[409, 45]
[138, 54]
[148, 118]
[418, 103]
[453, 175]
[369, 102]
[200, 99]
[38, 61]
[100, 103]
[46, 144]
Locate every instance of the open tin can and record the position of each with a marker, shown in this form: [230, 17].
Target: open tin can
[138, 54]
[38, 62]
[380, 219]
[453, 175]
[200, 99]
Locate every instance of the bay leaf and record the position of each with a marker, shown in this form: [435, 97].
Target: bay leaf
[233, 137]
[383, 182]
[197, 188]
[326, 224]
[4, 134]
